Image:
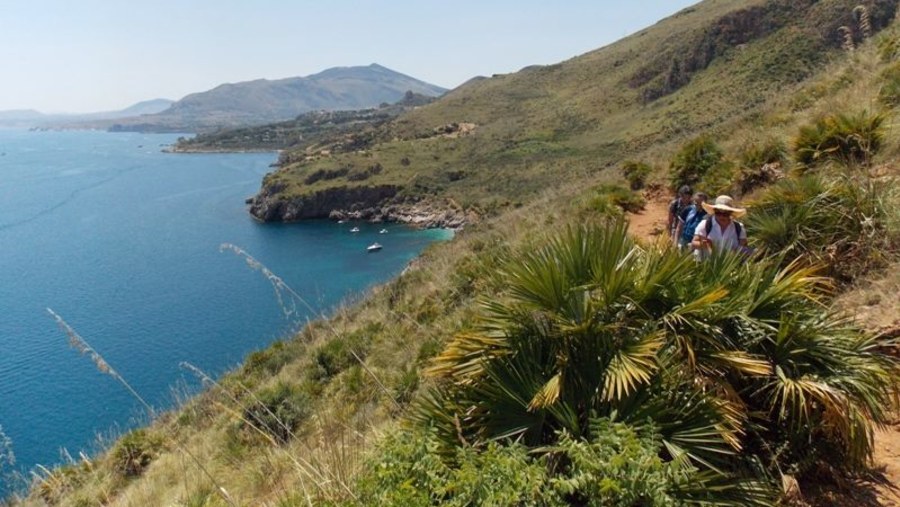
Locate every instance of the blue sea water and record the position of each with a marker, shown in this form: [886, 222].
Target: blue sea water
[123, 242]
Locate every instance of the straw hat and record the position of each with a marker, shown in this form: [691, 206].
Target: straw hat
[724, 202]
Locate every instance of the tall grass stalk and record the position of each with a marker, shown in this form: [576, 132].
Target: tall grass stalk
[82, 346]
[281, 288]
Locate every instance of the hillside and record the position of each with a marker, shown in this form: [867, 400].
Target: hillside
[720, 60]
[265, 101]
[452, 385]
[306, 129]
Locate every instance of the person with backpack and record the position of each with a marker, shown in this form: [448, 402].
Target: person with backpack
[688, 220]
[720, 231]
[676, 207]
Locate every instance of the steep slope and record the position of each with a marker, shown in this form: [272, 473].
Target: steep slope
[703, 67]
[262, 101]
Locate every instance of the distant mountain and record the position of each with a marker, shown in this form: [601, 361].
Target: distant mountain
[265, 101]
[31, 118]
[152, 106]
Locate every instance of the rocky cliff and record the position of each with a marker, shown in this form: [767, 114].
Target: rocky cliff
[373, 203]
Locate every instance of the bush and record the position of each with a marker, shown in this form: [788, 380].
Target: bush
[278, 411]
[761, 164]
[734, 361]
[612, 200]
[134, 452]
[636, 173]
[845, 138]
[269, 361]
[337, 354]
[847, 226]
[619, 466]
[694, 160]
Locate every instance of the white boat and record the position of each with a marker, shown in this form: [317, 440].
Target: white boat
[374, 247]
[382, 231]
[342, 221]
[355, 229]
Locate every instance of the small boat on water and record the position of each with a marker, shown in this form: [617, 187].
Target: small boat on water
[355, 229]
[342, 221]
[374, 247]
[382, 231]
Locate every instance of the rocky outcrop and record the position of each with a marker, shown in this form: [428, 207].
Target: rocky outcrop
[372, 203]
[424, 214]
[270, 206]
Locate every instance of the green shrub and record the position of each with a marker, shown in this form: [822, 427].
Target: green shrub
[636, 173]
[337, 354]
[844, 138]
[278, 411]
[694, 160]
[619, 466]
[847, 225]
[612, 200]
[269, 361]
[135, 451]
[720, 356]
[761, 164]
[720, 179]
[889, 94]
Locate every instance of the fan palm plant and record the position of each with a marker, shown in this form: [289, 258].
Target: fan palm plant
[717, 356]
[844, 224]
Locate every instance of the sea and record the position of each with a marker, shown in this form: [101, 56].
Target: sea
[125, 244]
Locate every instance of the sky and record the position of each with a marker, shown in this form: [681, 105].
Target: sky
[100, 55]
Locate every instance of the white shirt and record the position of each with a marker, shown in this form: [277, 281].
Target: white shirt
[721, 240]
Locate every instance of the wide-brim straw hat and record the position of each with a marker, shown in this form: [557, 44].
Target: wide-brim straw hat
[725, 203]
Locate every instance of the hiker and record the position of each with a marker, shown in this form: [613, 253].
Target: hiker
[719, 231]
[688, 220]
[676, 207]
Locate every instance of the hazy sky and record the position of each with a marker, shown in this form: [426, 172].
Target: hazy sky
[93, 55]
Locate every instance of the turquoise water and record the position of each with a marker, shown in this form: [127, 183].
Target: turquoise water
[123, 242]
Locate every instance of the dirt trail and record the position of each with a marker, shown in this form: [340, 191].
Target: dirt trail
[882, 489]
[650, 223]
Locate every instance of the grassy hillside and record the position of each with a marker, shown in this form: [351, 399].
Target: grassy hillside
[303, 422]
[711, 64]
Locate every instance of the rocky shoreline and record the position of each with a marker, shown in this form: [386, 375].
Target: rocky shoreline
[370, 203]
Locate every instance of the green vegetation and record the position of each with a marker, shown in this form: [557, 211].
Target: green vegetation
[636, 173]
[277, 412]
[305, 131]
[614, 199]
[694, 161]
[617, 466]
[844, 138]
[761, 164]
[732, 361]
[845, 224]
[134, 452]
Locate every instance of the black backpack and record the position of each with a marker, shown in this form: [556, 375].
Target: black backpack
[737, 226]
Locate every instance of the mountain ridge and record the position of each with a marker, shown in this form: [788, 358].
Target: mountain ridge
[264, 101]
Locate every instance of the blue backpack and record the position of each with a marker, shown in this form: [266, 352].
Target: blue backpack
[694, 217]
